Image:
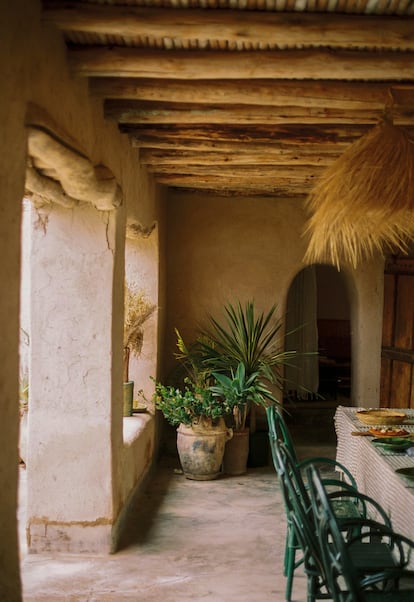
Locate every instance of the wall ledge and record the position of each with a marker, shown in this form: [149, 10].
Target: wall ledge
[134, 425]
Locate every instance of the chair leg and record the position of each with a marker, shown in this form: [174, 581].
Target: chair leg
[290, 562]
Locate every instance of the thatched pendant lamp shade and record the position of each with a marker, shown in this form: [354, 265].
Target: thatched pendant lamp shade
[365, 201]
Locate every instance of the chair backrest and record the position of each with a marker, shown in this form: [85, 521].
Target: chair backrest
[278, 429]
[299, 510]
[338, 569]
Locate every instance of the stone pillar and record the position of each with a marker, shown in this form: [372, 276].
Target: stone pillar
[73, 370]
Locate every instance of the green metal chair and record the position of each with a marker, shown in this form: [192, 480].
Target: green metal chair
[345, 579]
[302, 525]
[278, 431]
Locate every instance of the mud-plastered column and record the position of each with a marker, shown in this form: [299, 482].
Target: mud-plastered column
[73, 368]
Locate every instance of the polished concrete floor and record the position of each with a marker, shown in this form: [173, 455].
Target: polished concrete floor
[218, 541]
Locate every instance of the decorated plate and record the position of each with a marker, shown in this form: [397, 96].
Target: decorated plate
[388, 432]
[381, 416]
[395, 444]
[407, 472]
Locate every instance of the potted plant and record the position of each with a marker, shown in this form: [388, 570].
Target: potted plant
[251, 339]
[240, 390]
[198, 413]
[202, 432]
[138, 309]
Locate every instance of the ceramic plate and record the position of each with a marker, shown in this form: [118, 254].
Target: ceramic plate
[386, 431]
[408, 473]
[396, 444]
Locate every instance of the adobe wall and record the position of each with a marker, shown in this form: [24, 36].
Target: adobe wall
[34, 70]
[231, 249]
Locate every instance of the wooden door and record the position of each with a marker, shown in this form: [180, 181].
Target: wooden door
[397, 361]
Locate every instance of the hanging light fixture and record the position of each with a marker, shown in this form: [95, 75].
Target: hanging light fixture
[364, 203]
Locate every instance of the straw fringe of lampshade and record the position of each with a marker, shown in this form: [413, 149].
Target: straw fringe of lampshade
[364, 203]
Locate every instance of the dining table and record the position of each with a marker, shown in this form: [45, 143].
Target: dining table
[374, 467]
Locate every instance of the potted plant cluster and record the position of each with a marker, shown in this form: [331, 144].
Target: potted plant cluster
[137, 310]
[202, 432]
[230, 367]
[245, 347]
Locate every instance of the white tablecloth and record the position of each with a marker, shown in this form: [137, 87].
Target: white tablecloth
[374, 469]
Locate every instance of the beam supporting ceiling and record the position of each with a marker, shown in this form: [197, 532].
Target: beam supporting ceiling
[232, 27]
[242, 99]
[277, 64]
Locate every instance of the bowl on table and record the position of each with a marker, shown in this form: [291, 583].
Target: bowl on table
[393, 444]
[381, 417]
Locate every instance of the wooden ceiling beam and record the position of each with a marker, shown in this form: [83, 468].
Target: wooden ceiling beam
[272, 173]
[171, 148]
[144, 112]
[206, 181]
[225, 191]
[232, 27]
[279, 64]
[258, 137]
[309, 93]
[156, 158]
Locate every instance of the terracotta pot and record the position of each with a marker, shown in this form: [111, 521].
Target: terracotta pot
[201, 448]
[236, 453]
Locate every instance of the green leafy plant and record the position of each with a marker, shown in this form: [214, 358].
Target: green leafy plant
[190, 404]
[239, 390]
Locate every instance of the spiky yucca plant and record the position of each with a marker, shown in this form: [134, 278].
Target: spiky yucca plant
[245, 336]
[240, 390]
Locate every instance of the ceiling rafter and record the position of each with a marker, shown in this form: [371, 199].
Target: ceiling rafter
[248, 27]
[305, 93]
[238, 101]
[278, 64]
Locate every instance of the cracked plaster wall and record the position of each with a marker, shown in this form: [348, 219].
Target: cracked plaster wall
[33, 66]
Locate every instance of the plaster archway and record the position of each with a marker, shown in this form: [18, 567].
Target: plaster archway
[364, 291]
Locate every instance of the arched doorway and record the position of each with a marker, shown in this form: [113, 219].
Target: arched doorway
[319, 316]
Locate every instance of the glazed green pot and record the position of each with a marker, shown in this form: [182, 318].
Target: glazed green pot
[128, 397]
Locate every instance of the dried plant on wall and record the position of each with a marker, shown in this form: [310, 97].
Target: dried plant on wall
[364, 202]
[138, 309]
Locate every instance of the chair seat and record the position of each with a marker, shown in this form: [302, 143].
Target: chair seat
[399, 596]
[367, 557]
[345, 509]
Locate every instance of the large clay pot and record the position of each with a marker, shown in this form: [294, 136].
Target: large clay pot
[201, 448]
[236, 453]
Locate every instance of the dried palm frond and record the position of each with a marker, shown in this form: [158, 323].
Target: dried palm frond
[138, 309]
[365, 201]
